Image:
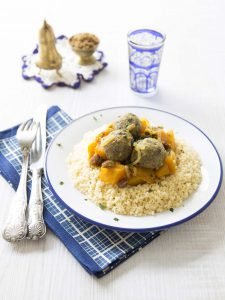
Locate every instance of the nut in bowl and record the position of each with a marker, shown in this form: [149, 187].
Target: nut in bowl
[84, 45]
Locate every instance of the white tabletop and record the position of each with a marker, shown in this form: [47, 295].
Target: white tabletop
[186, 262]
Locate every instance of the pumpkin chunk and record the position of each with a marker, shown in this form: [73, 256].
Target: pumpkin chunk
[100, 151]
[168, 138]
[112, 175]
[94, 147]
[169, 166]
[171, 162]
[135, 180]
[91, 149]
[140, 176]
[163, 171]
[144, 125]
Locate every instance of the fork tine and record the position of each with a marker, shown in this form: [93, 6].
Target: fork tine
[34, 125]
[35, 149]
[35, 145]
[38, 140]
[27, 125]
[34, 129]
[21, 127]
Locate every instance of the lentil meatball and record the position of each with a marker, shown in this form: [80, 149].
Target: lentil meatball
[148, 153]
[117, 145]
[131, 123]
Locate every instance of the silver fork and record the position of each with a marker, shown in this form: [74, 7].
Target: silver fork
[16, 224]
[36, 224]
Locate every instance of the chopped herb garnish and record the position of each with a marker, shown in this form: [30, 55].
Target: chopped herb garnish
[102, 206]
[95, 118]
[61, 183]
[172, 209]
[85, 199]
[116, 219]
[59, 145]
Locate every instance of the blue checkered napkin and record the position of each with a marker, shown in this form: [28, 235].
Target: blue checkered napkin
[97, 249]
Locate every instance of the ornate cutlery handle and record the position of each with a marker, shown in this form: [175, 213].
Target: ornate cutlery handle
[16, 224]
[36, 225]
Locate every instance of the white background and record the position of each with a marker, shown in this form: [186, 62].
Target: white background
[188, 261]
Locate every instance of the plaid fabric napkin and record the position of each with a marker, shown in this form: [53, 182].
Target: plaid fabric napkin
[97, 249]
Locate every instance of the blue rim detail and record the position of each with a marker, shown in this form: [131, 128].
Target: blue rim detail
[136, 229]
[151, 31]
[154, 32]
[142, 50]
[146, 68]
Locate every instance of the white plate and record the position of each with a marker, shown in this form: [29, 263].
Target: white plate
[56, 171]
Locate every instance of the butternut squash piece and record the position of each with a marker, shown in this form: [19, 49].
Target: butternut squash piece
[94, 147]
[144, 125]
[171, 139]
[100, 151]
[91, 149]
[112, 175]
[142, 175]
[135, 181]
[168, 138]
[109, 129]
[163, 171]
[169, 166]
[170, 160]
[104, 133]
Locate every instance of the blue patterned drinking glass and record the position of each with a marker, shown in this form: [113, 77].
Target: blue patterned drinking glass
[145, 52]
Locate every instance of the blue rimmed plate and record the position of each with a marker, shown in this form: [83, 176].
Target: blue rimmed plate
[60, 184]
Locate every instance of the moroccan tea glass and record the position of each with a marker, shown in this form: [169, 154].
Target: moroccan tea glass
[145, 52]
